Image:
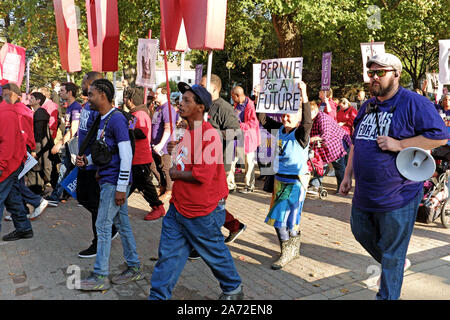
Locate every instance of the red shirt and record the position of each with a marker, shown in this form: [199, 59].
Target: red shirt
[143, 154]
[347, 116]
[25, 116]
[12, 145]
[200, 151]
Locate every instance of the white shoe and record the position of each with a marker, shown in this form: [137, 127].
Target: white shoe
[406, 267]
[8, 218]
[37, 212]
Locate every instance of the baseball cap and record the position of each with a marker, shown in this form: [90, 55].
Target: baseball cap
[12, 87]
[199, 91]
[385, 60]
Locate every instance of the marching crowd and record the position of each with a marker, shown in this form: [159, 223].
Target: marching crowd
[194, 149]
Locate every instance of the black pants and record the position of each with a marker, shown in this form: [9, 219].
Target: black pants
[142, 180]
[88, 195]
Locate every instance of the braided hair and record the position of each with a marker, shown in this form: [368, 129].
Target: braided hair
[104, 86]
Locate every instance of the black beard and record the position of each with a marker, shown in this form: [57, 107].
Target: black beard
[382, 90]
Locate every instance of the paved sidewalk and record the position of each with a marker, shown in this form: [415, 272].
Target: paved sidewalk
[332, 264]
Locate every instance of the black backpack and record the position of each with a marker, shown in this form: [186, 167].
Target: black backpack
[101, 154]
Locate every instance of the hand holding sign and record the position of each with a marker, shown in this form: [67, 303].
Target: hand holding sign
[279, 86]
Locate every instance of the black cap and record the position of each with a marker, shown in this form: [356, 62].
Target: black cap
[199, 91]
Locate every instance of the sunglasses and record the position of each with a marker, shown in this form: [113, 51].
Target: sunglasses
[380, 73]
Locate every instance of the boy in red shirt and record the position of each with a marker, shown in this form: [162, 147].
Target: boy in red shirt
[197, 208]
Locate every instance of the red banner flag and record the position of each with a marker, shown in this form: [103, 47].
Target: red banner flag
[103, 34]
[203, 20]
[66, 26]
[12, 64]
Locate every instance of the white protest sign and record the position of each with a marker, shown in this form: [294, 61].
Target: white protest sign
[432, 82]
[146, 62]
[30, 163]
[256, 75]
[279, 80]
[368, 50]
[444, 61]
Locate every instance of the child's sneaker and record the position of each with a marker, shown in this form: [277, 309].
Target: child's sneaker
[95, 282]
[130, 274]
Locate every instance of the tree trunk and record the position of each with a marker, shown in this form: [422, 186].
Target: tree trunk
[289, 36]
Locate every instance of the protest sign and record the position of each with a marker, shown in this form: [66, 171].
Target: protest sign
[12, 64]
[198, 73]
[369, 50]
[146, 62]
[279, 80]
[444, 61]
[29, 163]
[256, 75]
[432, 82]
[326, 71]
[70, 183]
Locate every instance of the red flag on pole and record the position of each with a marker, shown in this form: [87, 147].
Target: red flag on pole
[66, 26]
[103, 34]
[12, 64]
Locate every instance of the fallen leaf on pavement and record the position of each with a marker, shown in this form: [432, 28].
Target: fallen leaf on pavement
[345, 291]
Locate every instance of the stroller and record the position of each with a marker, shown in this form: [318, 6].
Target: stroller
[435, 202]
[315, 165]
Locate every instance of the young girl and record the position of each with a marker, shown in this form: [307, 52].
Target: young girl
[291, 177]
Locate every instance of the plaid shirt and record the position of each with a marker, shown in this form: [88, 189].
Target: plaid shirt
[333, 138]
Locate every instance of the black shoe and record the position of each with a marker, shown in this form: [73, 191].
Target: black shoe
[194, 255]
[90, 252]
[16, 235]
[236, 296]
[234, 235]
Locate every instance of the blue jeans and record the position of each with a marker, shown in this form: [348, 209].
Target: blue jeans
[386, 237]
[178, 236]
[109, 213]
[29, 196]
[11, 198]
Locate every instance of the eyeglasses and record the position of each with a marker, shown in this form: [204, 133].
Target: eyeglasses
[380, 73]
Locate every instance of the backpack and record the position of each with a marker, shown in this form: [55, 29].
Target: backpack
[101, 154]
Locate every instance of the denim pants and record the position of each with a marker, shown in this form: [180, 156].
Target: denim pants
[29, 196]
[109, 213]
[386, 236]
[178, 236]
[11, 198]
[339, 171]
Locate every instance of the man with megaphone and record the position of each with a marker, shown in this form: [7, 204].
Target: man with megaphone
[385, 203]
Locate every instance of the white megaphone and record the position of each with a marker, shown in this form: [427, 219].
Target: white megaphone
[415, 164]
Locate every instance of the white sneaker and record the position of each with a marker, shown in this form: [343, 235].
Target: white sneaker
[406, 267]
[37, 212]
[8, 218]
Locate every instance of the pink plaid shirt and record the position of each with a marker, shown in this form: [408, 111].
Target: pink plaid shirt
[333, 138]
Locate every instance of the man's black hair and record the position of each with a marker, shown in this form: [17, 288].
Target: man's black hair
[106, 87]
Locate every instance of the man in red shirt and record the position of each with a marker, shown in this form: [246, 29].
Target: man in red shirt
[197, 208]
[12, 156]
[142, 175]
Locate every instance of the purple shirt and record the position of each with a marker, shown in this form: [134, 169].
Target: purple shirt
[160, 117]
[72, 113]
[379, 185]
[116, 131]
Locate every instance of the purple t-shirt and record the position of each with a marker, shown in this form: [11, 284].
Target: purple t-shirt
[72, 113]
[116, 131]
[160, 117]
[379, 185]
[87, 118]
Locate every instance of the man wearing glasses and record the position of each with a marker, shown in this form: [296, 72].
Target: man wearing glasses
[385, 204]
